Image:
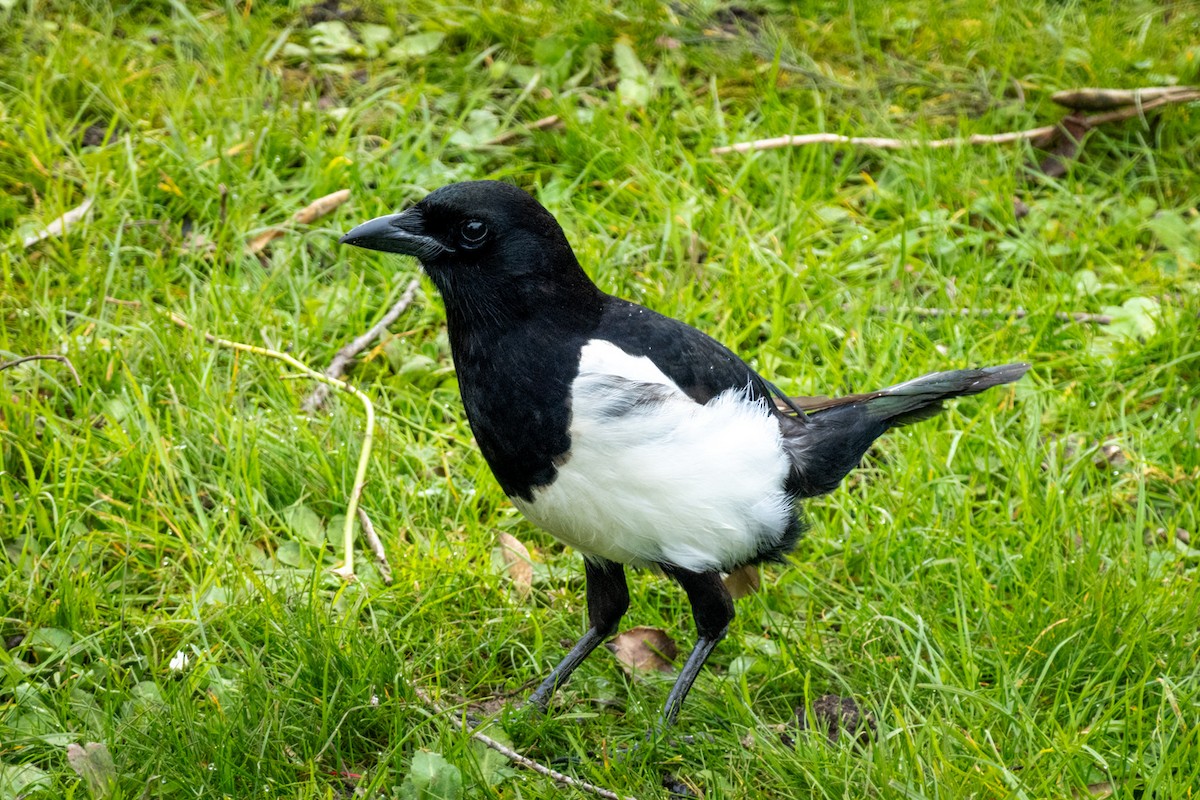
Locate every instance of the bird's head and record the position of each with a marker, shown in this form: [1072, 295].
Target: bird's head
[477, 236]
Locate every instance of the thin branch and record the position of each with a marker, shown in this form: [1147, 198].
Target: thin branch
[346, 571]
[1037, 136]
[43, 357]
[381, 559]
[1096, 99]
[884, 143]
[1139, 109]
[517, 758]
[1016, 313]
[337, 367]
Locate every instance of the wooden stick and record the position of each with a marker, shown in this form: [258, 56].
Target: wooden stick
[381, 560]
[1016, 313]
[517, 758]
[1094, 99]
[883, 143]
[1042, 135]
[337, 367]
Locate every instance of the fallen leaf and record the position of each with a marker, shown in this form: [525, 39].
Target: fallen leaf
[743, 581]
[94, 764]
[644, 649]
[517, 563]
[321, 206]
[310, 213]
[60, 225]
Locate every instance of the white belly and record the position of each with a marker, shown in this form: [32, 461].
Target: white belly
[654, 477]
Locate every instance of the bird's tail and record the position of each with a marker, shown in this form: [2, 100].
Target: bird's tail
[832, 435]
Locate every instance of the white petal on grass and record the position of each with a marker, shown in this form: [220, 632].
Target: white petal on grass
[179, 662]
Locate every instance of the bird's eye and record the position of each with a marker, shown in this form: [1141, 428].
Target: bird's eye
[473, 233]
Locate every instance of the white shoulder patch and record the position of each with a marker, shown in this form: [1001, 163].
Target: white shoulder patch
[655, 477]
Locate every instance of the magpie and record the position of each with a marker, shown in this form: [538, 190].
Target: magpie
[632, 437]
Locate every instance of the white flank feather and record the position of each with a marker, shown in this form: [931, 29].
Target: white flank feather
[655, 477]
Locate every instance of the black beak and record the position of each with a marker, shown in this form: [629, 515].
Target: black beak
[402, 233]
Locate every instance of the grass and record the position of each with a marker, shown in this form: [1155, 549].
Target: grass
[991, 585]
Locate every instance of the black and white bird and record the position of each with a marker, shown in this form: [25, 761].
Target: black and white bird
[628, 435]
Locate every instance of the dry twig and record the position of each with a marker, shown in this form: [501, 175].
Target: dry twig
[1093, 99]
[385, 569]
[517, 758]
[305, 216]
[1016, 313]
[1039, 137]
[43, 357]
[337, 367]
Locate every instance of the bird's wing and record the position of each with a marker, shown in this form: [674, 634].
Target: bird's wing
[698, 364]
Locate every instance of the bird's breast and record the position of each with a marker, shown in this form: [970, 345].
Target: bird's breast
[653, 477]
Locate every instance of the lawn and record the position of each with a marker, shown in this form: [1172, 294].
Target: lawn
[1010, 590]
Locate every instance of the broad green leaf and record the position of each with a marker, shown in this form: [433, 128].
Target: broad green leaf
[1136, 318]
[634, 87]
[415, 45]
[1174, 234]
[479, 126]
[333, 38]
[16, 780]
[374, 38]
[50, 641]
[431, 777]
[305, 524]
[493, 765]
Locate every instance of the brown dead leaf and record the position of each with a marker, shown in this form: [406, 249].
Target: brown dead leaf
[517, 563]
[1102, 789]
[743, 581]
[644, 649]
[305, 216]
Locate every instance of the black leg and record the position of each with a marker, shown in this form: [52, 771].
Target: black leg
[608, 600]
[712, 609]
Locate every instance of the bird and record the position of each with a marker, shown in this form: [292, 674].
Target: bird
[628, 435]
